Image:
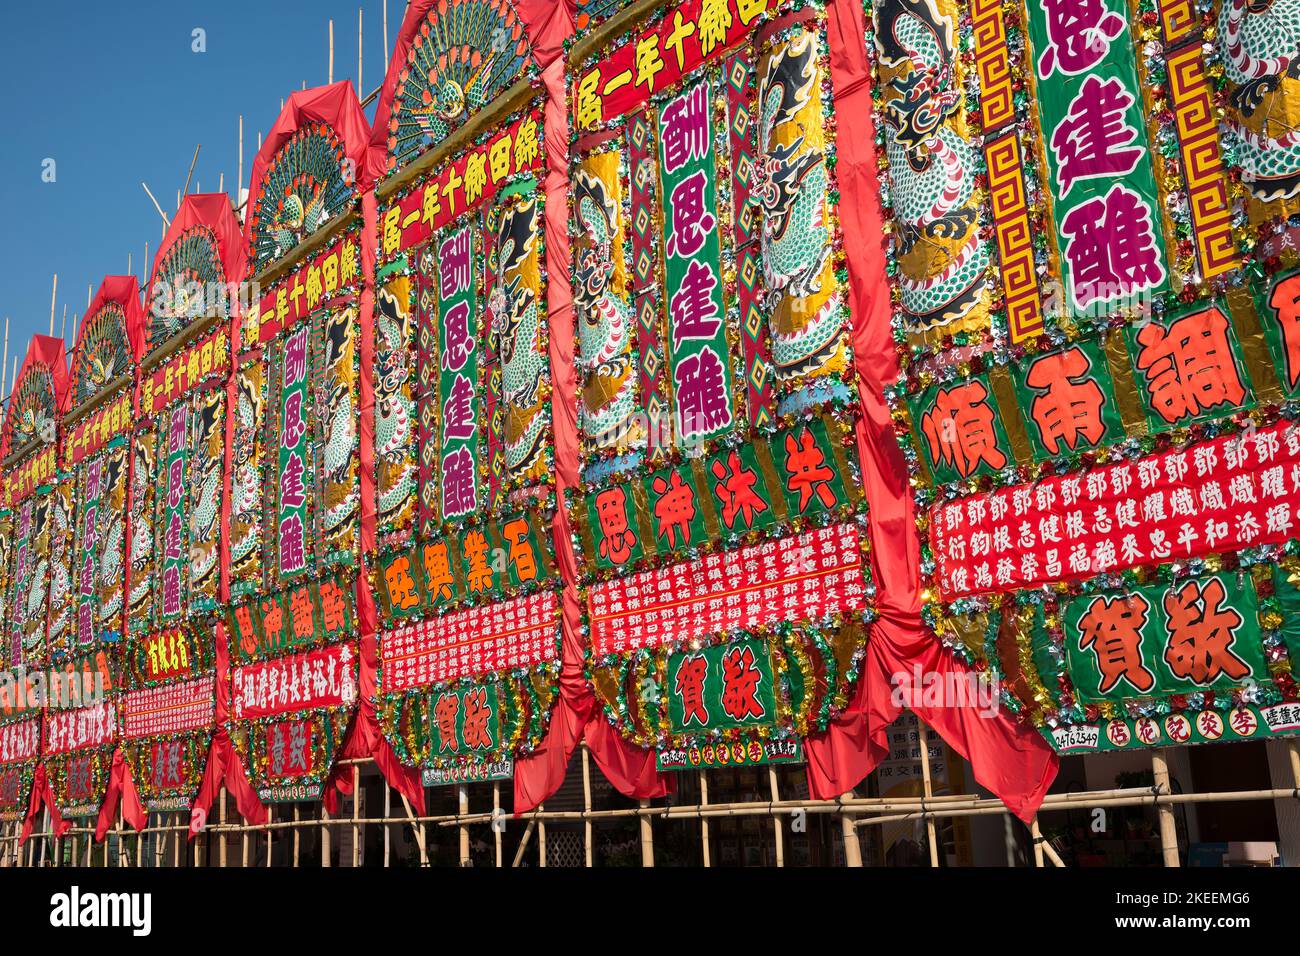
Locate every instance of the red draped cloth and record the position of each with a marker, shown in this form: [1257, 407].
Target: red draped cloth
[1008, 757]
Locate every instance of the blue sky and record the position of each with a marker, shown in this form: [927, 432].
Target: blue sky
[114, 94]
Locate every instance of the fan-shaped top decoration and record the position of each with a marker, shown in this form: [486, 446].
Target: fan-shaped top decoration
[465, 53]
[308, 183]
[188, 284]
[103, 352]
[32, 407]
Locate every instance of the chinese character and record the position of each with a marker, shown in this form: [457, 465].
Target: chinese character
[685, 128]
[702, 401]
[689, 684]
[1201, 633]
[1111, 247]
[735, 491]
[691, 219]
[675, 508]
[611, 510]
[1093, 139]
[959, 429]
[1068, 405]
[1078, 35]
[1189, 367]
[805, 466]
[740, 680]
[1112, 628]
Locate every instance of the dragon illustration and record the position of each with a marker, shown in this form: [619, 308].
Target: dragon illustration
[1260, 44]
[141, 531]
[790, 185]
[604, 323]
[394, 408]
[340, 432]
[207, 505]
[931, 167]
[515, 330]
[60, 574]
[110, 558]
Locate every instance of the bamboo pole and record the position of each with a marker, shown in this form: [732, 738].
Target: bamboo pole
[704, 821]
[385, 37]
[221, 855]
[1168, 832]
[331, 71]
[239, 183]
[156, 205]
[848, 829]
[776, 818]
[541, 838]
[927, 788]
[388, 810]
[360, 21]
[497, 821]
[462, 801]
[297, 834]
[1037, 835]
[326, 858]
[587, 849]
[63, 326]
[356, 815]
[523, 842]
[53, 295]
[647, 838]
[188, 175]
[418, 827]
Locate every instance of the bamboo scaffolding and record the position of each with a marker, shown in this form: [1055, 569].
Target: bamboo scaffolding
[186, 190]
[927, 789]
[43, 848]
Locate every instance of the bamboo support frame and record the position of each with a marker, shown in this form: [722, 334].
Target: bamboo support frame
[927, 789]
[169, 831]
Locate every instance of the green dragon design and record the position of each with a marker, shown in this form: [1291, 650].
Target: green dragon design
[60, 574]
[1260, 44]
[605, 322]
[932, 169]
[394, 408]
[790, 184]
[340, 433]
[207, 508]
[110, 558]
[516, 335]
[141, 533]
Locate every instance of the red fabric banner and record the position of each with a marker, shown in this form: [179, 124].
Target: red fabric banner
[47, 352]
[1010, 758]
[576, 714]
[120, 786]
[42, 795]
